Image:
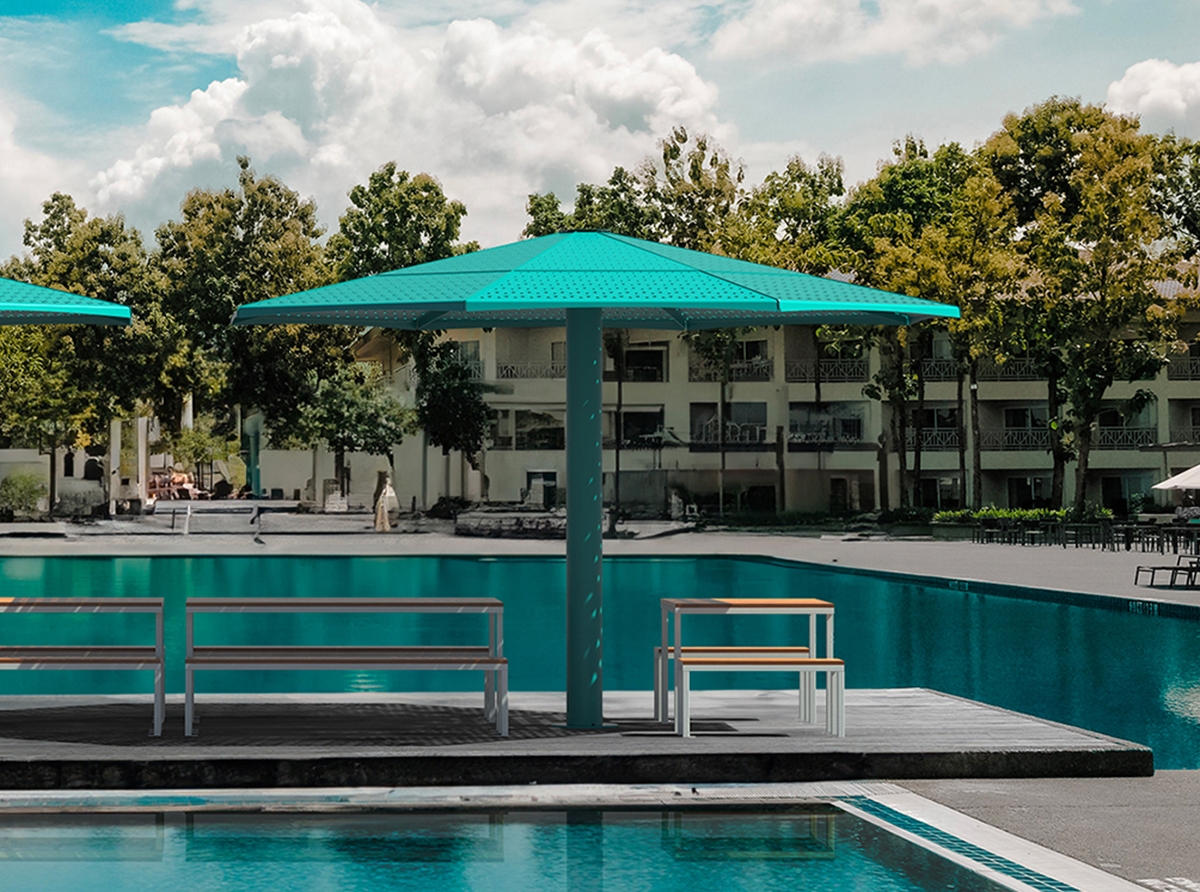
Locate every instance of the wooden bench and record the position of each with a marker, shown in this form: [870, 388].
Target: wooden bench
[489, 659]
[835, 693]
[92, 657]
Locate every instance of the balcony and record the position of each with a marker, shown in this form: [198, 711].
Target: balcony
[825, 438]
[939, 370]
[1184, 368]
[1185, 435]
[738, 437]
[934, 439]
[1013, 370]
[759, 369]
[1014, 439]
[637, 374]
[512, 370]
[1124, 437]
[833, 371]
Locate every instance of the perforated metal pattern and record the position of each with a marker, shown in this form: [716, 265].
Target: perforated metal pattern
[637, 283]
[21, 303]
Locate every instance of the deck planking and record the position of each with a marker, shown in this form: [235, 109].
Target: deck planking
[443, 738]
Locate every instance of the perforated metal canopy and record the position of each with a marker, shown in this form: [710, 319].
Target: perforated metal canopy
[636, 283]
[23, 304]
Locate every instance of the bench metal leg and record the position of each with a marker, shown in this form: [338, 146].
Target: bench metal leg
[808, 697]
[160, 700]
[502, 691]
[662, 703]
[683, 710]
[188, 698]
[489, 696]
[835, 703]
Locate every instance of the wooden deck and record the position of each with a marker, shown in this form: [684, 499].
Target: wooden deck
[433, 739]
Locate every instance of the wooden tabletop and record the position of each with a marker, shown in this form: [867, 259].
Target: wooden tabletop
[337, 604]
[748, 603]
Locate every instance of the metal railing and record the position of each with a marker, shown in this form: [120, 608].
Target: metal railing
[1184, 368]
[1185, 435]
[742, 370]
[1012, 370]
[1123, 437]
[934, 439]
[833, 371]
[707, 434]
[939, 370]
[550, 369]
[1014, 439]
[639, 374]
[825, 437]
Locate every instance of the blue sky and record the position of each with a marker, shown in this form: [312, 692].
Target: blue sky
[127, 105]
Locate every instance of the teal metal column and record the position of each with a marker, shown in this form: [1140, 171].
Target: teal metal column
[585, 518]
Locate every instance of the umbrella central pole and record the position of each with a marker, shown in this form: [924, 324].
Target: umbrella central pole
[585, 517]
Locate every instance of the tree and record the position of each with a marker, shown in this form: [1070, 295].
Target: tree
[618, 207]
[231, 247]
[395, 220]
[1096, 247]
[350, 411]
[691, 189]
[79, 377]
[881, 226]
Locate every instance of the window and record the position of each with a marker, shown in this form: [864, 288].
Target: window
[942, 493]
[643, 362]
[642, 428]
[539, 429]
[1025, 418]
[945, 419]
[501, 432]
[1029, 492]
[751, 351]
[833, 423]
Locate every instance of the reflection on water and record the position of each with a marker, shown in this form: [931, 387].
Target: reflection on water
[1122, 674]
[815, 849]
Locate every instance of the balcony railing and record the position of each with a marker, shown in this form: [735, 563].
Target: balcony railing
[824, 437]
[934, 439]
[1123, 437]
[1015, 439]
[1184, 368]
[544, 438]
[1185, 435]
[509, 370]
[833, 371]
[735, 434]
[1012, 370]
[939, 370]
[741, 370]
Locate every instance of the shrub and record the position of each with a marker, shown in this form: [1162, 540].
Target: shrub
[21, 492]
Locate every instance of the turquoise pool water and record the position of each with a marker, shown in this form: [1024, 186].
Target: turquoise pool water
[1132, 676]
[580, 851]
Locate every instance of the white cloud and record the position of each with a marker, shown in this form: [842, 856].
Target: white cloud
[922, 31]
[327, 94]
[1165, 95]
[27, 177]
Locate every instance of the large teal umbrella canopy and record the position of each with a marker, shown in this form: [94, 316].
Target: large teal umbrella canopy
[23, 304]
[588, 281]
[634, 284]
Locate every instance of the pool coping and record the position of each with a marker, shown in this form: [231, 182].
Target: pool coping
[1002, 857]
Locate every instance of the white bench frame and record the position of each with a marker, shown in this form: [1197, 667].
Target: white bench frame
[808, 667]
[679, 607]
[489, 659]
[89, 657]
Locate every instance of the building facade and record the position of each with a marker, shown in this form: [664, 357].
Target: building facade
[800, 434]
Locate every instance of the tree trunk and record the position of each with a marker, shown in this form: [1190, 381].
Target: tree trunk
[885, 500]
[900, 438]
[919, 426]
[1084, 439]
[52, 496]
[976, 441]
[721, 448]
[961, 430]
[816, 345]
[1058, 453]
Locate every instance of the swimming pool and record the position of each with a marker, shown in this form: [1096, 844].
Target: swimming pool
[1133, 676]
[818, 849]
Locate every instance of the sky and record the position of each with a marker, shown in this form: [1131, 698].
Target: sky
[128, 104]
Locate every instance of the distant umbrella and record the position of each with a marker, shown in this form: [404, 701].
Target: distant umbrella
[24, 304]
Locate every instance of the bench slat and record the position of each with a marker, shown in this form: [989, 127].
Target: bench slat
[761, 661]
[297, 604]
